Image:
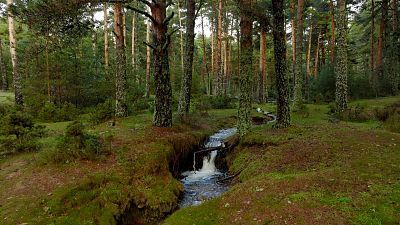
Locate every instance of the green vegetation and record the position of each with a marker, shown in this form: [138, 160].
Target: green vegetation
[315, 172]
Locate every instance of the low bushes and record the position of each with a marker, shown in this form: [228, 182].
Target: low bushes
[19, 133]
[76, 144]
[102, 112]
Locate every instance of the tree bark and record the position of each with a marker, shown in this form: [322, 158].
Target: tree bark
[181, 38]
[332, 52]
[184, 102]
[298, 88]
[13, 50]
[372, 52]
[133, 47]
[148, 59]
[205, 70]
[381, 39]
[121, 108]
[161, 41]
[317, 55]
[3, 71]
[106, 61]
[263, 65]
[219, 69]
[341, 58]
[309, 50]
[282, 83]
[246, 65]
[293, 26]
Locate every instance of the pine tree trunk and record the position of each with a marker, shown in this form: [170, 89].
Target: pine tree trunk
[392, 52]
[293, 26]
[121, 108]
[332, 52]
[372, 52]
[3, 71]
[381, 38]
[309, 51]
[106, 61]
[219, 69]
[341, 58]
[148, 60]
[13, 50]
[282, 83]
[161, 41]
[133, 47]
[298, 88]
[184, 102]
[181, 39]
[263, 66]
[317, 55]
[207, 81]
[246, 65]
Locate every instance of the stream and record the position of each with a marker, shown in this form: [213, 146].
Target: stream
[202, 184]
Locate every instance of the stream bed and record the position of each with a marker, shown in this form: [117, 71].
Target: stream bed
[201, 184]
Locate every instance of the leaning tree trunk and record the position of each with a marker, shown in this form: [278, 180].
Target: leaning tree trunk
[282, 83]
[246, 65]
[13, 50]
[184, 101]
[3, 71]
[121, 108]
[298, 87]
[341, 58]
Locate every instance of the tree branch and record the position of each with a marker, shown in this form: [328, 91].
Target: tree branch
[166, 20]
[149, 4]
[198, 10]
[149, 45]
[142, 12]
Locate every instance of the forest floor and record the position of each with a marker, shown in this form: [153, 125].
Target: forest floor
[315, 172]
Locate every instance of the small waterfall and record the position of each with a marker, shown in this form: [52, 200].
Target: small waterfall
[201, 185]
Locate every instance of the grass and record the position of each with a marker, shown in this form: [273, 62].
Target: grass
[34, 190]
[314, 172]
[6, 98]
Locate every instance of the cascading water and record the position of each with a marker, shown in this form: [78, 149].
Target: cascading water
[201, 185]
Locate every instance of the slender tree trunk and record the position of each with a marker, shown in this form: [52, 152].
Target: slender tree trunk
[309, 50]
[341, 58]
[246, 65]
[392, 51]
[148, 59]
[282, 83]
[293, 26]
[106, 61]
[317, 55]
[184, 102]
[121, 108]
[332, 52]
[206, 82]
[124, 26]
[161, 41]
[298, 88]
[3, 71]
[372, 52]
[13, 50]
[133, 47]
[181, 39]
[48, 70]
[219, 68]
[263, 66]
[382, 30]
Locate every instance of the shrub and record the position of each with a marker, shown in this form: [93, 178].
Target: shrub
[356, 114]
[393, 123]
[216, 102]
[102, 112]
[76, 144]
[20, 133]
[51, 112]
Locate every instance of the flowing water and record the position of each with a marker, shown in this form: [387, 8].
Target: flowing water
[201, 185]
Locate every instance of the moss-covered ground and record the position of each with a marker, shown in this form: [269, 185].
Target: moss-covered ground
[34, 190]
[315, 172]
